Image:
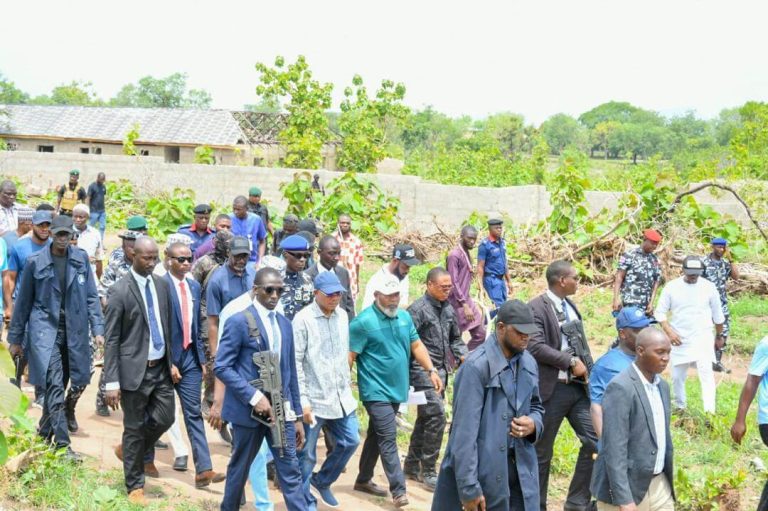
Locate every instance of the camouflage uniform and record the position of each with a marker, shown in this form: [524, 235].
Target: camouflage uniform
[642, 272]
[117, 268]
[203, 269]
[718, 272]
[299, 292]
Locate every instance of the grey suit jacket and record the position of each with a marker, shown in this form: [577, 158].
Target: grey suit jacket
[347, 303]
[627, 449]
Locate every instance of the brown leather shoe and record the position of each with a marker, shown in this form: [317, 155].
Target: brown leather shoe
[137, 497]
[150, 470]
[203, 479]
[371, 488]
[400, 500]
[119, 451]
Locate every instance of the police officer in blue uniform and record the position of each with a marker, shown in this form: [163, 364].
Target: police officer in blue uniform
[492, 263]
[198, 231]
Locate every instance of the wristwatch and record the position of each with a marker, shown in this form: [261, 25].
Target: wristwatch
[574, 361]
[433, 370]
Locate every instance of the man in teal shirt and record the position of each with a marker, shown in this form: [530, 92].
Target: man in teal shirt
[381, 340]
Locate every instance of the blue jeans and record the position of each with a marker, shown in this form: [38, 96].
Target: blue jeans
[346, 433]
[101, 219]
[257, 475]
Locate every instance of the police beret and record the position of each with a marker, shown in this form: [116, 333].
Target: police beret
[255, 191]
[136, 223]
[202, 209]
[294, 242]
[652, 235]
[495, 221]
[722, 242]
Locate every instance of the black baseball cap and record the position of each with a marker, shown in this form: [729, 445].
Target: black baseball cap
[518, 315]
[405, 253]
[692, 265]
[62, 223]
[239, 245]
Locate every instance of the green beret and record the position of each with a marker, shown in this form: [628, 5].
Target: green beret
[255, 190]
[74, 172]
[136, 223]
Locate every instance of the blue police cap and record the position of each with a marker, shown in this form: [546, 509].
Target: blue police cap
[719, 242]
[294, 242]
[632, 317]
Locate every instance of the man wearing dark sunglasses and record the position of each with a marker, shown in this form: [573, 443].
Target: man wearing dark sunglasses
[235, 368]
[299, 289]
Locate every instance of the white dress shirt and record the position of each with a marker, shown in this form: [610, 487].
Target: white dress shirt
[190, 304]
[659, 418]
[570, 315]
[152, 354]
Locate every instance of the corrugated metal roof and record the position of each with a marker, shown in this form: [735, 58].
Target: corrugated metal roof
[156, 125]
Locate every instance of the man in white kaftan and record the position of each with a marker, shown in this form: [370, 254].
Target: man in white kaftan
[688, 308]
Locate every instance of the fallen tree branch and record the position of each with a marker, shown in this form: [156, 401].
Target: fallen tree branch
[721, 187]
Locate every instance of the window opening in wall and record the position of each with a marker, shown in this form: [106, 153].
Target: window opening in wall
[85, 150]
[97, 150]
[45, 148]
[144, 152]
[171, 154]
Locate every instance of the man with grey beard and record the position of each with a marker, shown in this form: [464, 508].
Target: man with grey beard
[381, 340]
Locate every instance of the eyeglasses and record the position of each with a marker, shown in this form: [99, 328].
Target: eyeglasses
[298, 255]
[273, 289]
[183, 259]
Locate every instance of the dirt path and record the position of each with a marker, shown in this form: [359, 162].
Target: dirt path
[97, 437]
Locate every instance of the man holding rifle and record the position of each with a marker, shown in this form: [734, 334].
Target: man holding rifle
[563, 380]
[259, 328]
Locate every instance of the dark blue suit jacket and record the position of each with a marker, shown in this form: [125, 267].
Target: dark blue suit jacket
[177, 332]
[235, 368]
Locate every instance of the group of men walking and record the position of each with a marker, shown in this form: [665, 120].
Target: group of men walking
[263, 344]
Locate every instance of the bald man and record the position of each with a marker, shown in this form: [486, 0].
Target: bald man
[633, 471]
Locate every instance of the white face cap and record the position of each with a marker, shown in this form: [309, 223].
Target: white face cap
[389, 285]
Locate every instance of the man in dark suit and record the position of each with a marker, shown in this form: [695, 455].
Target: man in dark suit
[235, 368]
[561, 395]
[137, 361]
[633, 470]
[329, 250]
[188, 356]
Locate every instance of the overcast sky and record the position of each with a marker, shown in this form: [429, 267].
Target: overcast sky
[536, 57]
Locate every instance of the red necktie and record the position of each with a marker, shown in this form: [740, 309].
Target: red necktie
[185, 323]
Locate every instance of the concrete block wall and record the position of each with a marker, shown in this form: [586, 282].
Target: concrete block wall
[422, 203]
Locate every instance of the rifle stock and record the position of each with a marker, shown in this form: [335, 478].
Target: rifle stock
[577, 344]
[270, 383]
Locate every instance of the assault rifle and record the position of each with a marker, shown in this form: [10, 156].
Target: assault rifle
[577, 345]
[270, 384]
[18, 362]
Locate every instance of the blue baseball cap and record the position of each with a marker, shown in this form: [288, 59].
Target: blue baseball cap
[631, 317]
[328, 283]
[719, 242]
[294, 242]
[41, 217]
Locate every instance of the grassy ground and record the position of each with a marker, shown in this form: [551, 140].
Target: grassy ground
[706, 460]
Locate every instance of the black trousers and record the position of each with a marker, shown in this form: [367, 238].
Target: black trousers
[381, 441]
[427, 436]
[516, 499]
[568, 401]
[53, 422]
[148, 412]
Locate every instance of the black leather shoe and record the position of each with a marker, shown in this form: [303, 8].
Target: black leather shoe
[161, 445]
[69, 411]
[371, 488]
[102, 410]
[180, 464]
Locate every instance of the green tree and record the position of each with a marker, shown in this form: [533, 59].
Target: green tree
[204, 155]
[72, 94]
[10, 94]
[168, 92]
[363, 123]
[129, 146]
[428, 128]
[566, 188]
[509, 131]
[686, 133]
[749, 145]
[603, 137]
[618, 111]
[266, 105]
[641, 139]
[307, 128]
[726, 125]
[561, 131]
